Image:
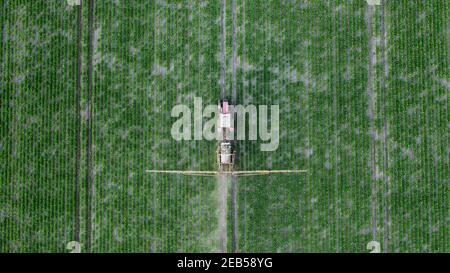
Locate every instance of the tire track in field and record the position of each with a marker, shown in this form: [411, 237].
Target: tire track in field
[233, 101]
[448, 138]
[370, 93]
[244, 220]
[222, 181]
[234, 214]
[383, 75]
[7, 133]
[222, 189]
[154, 241]
[78, 124]
[88, 184]
[222, 48]
[335, 136]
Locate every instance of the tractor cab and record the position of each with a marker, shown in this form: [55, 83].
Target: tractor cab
[225, 121]
[225, 155]
[225, 149]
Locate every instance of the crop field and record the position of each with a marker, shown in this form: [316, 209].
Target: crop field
[87, 91]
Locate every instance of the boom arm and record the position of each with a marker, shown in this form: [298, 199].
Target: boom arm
[235, 173]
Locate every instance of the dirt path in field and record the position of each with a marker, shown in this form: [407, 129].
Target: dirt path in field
[371, 103]
[224, 181]
[222, 194]
[370, 92]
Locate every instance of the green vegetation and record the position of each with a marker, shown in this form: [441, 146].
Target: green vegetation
[363, 95]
